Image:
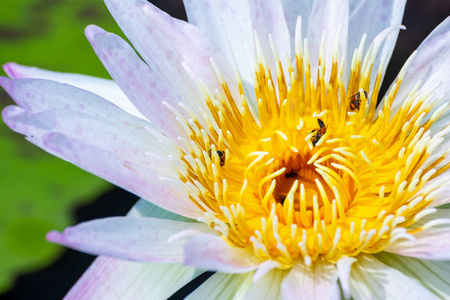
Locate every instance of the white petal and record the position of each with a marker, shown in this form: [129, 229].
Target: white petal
[432, 243]
[105, 88]
[166, 43]
[136, 239]
[231, 24]
[327, 16]
[222, 286]
[228, 24]
[269, 287]
[371, 279]
[316, 282]
[372, 17]
[430, 65]
[111, 278]
[210, 252]
[128, 143]
[435, 275]
[144, 87]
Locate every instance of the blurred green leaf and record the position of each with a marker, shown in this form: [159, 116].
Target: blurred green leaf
[39, 191]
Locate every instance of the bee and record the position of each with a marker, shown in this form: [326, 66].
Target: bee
[355, 101]
[221, 155]
[319, 132]
[291, 174]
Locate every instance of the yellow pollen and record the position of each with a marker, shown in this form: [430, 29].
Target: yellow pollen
[315, 170]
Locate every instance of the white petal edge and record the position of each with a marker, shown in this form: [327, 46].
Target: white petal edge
[135, 239]
[105, 88]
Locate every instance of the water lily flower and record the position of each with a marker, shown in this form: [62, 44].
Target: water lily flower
[253, 136]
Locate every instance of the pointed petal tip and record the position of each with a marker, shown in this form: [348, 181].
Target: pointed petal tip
[55, 237]
[11, 69]
[92, 31]
[8, 114]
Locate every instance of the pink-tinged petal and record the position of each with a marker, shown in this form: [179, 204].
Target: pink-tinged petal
[140, 178]
[327, 16]
[48, 106]
[344, 266]
[210, 252]
[315, 282]
[105, 88]
[293, 9]
[38, 95]
[383, 14]
[105, 141]
[126, 142]
[111, 278]
[223, 286]
[269, 287]
[166, 43]
[371, 279]
[432, 244]
[167, 193]
[143, 86]
[135, 239]
[430, 66]
[432, 274]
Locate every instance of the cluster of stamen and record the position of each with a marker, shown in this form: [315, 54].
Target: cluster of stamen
[315, 170]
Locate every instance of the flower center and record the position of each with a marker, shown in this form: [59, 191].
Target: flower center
[312, 172]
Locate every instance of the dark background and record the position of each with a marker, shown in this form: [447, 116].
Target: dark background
[53, 282]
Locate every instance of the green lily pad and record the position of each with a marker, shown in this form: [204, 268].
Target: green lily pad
[39, 191]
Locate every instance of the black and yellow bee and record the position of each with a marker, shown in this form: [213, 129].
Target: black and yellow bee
[355, 101]
[221, 155]
[319, 132]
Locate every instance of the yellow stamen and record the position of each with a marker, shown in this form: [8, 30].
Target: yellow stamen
[317, 171]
